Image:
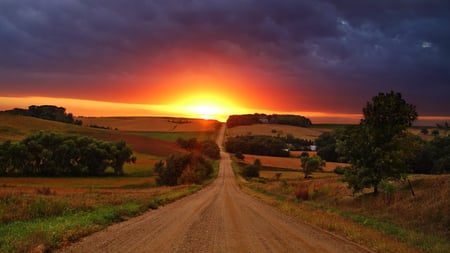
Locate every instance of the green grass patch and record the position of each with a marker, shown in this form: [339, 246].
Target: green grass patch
[173, 136]
[51, 232]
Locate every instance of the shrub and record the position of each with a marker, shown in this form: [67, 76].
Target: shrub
[251, 171]
[340, 170]
[239, 155]
[183, 169]
[302, 192]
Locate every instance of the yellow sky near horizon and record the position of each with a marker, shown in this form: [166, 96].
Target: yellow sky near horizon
[189, 108]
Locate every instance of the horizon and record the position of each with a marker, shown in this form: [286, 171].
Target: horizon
[88, 108]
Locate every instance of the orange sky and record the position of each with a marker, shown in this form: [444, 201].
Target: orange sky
[211, 108]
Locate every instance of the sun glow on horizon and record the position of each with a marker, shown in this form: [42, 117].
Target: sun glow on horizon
[207, 106]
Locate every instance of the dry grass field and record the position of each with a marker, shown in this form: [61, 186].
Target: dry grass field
[151, 124]
[387, 222]
[285, 162]
[429, 136]
[310, 133]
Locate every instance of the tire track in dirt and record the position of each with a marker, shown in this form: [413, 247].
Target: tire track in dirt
[219, 218]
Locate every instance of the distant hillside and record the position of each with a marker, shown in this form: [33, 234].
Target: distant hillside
[153, 124]
[281, 119]
[48, 112]
[17, 127]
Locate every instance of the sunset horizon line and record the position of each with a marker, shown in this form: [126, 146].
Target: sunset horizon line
[95, 108]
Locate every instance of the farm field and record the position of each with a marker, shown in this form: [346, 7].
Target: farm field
[152, 124]
[159, 144]
[200, 136]
[285, 162]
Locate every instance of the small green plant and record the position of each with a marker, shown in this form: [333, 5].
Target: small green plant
[389, 190]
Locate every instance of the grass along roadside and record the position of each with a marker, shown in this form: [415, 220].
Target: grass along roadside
[378, 234]
[333, 222]
[53, 231]
[34, 219]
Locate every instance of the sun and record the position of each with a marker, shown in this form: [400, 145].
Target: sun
[206, 112]
[206, 106]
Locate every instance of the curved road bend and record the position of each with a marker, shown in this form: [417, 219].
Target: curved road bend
[218, 218]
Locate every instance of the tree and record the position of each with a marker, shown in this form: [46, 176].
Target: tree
[310, 164]
[326, 146]
[174, 166]
[252, 170]
[183, 169]
[121, 153]
[239, 155]
[376, 147]
[424, 131]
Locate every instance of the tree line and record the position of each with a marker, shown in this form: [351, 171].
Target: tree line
[283, 119]
[48, 112]
[54, 155]
[257, 145]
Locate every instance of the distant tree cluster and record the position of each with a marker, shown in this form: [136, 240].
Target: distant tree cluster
[51, 154]
[183, 169]
[444, 126]
[297, 143]
[431, 157]
[257, 145]
[208, 148]
[48, 112]
[250, 119]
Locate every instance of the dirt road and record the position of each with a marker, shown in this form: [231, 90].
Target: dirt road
[219, 218]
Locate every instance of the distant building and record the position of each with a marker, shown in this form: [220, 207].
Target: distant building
[313, 147]
[264, 120]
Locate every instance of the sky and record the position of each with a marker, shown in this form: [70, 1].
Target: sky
[321, 58]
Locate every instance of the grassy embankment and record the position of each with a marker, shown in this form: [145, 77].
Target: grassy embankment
[47, 213]
[397, 222]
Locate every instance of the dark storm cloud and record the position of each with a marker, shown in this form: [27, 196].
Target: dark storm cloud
[342, 48]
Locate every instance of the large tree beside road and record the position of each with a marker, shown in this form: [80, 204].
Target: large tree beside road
[377, 148]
